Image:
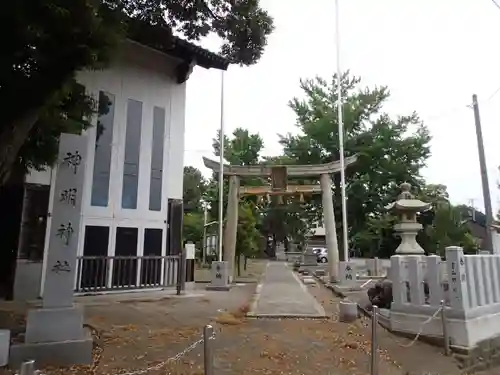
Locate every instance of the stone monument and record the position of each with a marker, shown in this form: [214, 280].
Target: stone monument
[407, 207]
[347, 273]
[219, 279]
[54, 332]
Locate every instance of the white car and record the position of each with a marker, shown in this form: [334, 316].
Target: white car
[322, 255]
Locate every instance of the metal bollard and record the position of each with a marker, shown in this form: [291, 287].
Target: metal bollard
[374, 354]
[208, 359]
[446, 334]
[27, 368]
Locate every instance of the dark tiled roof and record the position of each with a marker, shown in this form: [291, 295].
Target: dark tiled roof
[478, 217]
[161, 39]
[204, 58]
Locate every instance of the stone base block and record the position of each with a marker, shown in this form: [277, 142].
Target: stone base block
[4, 346]
[220, 277]
[308, 280]
[54, 325]
[319, 273]
[64, 353]
[348, 311]
[219, 288]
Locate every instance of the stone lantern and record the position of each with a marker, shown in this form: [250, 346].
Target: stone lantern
[407, 207]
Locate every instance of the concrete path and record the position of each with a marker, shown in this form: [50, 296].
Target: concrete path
[282, 294]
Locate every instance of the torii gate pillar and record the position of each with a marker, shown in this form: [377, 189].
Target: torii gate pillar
[231, 229]
[330, 228]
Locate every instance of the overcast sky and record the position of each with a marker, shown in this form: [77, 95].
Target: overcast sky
[432, 54]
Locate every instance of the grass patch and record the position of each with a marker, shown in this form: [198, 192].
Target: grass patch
[233, 318]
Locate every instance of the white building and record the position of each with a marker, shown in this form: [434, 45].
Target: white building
[132, 192]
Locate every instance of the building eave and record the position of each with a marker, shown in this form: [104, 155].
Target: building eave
[161, 39]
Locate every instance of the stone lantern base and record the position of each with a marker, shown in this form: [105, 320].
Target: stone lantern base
[408, 233]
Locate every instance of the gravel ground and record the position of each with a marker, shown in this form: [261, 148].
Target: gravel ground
[137, 334]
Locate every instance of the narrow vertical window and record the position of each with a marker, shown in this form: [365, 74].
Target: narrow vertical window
[155, 182]
[132, 151]
[103, 146]
[94, 264]
[125, 262]
[151, 263]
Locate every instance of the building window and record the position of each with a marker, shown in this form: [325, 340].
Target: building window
[152, 241]
[151, 263]
[94, 264]
[132, 152]
[155, 182]
[125, 261]
[103, 145]
[174, 225]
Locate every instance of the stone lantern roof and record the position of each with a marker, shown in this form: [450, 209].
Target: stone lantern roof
[407, 202]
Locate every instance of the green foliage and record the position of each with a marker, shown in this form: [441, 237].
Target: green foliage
[443, 225]
[71, 113]
[242, 25]
[50, 40]
[242, 148]
[194, 189]
[449, 228]
[193, 228]
[378, 238]
[390, 150]
[247, 239]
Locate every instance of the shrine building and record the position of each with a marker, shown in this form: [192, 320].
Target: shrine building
[130, 227]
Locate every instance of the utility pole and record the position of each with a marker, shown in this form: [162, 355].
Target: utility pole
[204, 246]
[488, 242]
[473, 213]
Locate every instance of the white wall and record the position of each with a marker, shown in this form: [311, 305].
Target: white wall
[496, 242]
[147, 76]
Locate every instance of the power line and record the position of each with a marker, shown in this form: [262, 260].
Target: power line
[455, 109]
[495, 3]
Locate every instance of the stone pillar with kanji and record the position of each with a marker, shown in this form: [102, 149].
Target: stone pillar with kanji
[54, 332]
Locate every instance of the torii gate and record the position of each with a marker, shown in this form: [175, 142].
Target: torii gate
[279, 175]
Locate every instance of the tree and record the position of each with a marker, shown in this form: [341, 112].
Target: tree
[242, 148]
[449, 228]
[194, 189]
[50, 40]
[443, 225]
[390, 150]
[193, 228]
[295, 217]
[247, 240]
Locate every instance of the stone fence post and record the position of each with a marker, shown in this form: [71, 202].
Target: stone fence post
[457, 278]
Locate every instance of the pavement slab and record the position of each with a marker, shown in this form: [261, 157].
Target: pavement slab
[281, 294]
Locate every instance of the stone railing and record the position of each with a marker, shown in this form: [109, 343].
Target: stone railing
[468, 284]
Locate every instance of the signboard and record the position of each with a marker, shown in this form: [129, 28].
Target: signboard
[65, 226]
[279, 178]
[190, 251]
